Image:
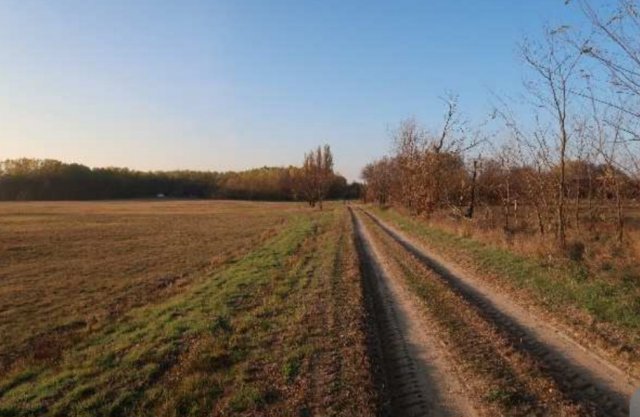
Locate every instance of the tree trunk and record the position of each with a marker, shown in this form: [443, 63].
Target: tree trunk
[620, 218]
[562, 238]
[472, 196]
[506, 206]
[540, 221]
[590, 200]
[577, 208]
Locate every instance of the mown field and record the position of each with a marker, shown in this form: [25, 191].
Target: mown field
[180, 308]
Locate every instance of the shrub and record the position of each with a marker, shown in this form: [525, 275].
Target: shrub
[575, 250]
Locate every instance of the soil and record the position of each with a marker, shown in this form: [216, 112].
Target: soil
[420, 379]
[581, 377]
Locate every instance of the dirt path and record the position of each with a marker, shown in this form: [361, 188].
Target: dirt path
[416, 371]
[582, 376]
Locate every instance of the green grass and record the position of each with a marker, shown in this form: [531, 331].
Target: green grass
[115, 372]
[555, 286]
[246, 397]
[291, 368]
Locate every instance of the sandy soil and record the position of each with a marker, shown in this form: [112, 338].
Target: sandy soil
[582, 373]
[423, 379]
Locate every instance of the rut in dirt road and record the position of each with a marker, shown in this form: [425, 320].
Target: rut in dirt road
[416, 381]
[581, 377]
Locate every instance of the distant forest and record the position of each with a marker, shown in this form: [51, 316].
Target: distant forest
[36, 179]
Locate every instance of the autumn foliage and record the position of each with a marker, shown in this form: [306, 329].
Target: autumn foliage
[33, 179]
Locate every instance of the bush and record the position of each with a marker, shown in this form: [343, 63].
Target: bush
[575, 250]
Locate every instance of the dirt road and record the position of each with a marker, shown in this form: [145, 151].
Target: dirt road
[419, 379]
[451, 345]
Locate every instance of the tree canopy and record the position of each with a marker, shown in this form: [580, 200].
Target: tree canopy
[37, 179]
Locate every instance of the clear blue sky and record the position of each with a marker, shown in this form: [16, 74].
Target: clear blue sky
[235, 84]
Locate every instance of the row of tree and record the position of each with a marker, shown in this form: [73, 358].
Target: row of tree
[571, 162]
[33, 179]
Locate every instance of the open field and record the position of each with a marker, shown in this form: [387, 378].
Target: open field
[179, 309]
[198, 218]
[186, 308]
[67, 267]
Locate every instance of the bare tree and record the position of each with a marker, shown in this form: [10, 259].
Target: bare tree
[317, 174]
[614, 44]
[408, 142]
[473, 189]
[431, 164]
[554, 66]
[378, 177]
[608, 143]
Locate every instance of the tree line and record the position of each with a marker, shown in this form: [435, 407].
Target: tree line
[569, 164]
[36, 179]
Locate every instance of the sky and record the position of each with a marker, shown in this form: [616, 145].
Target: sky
[235, 84]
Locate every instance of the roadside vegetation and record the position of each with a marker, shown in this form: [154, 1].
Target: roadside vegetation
[602, 306]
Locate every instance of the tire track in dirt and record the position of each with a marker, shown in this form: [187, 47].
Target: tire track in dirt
[581, 375]
[416, 378]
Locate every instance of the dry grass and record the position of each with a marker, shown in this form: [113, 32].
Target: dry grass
[592, 251]
[503, 379]
[181, 308]
[66, 268]
[598, 296]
